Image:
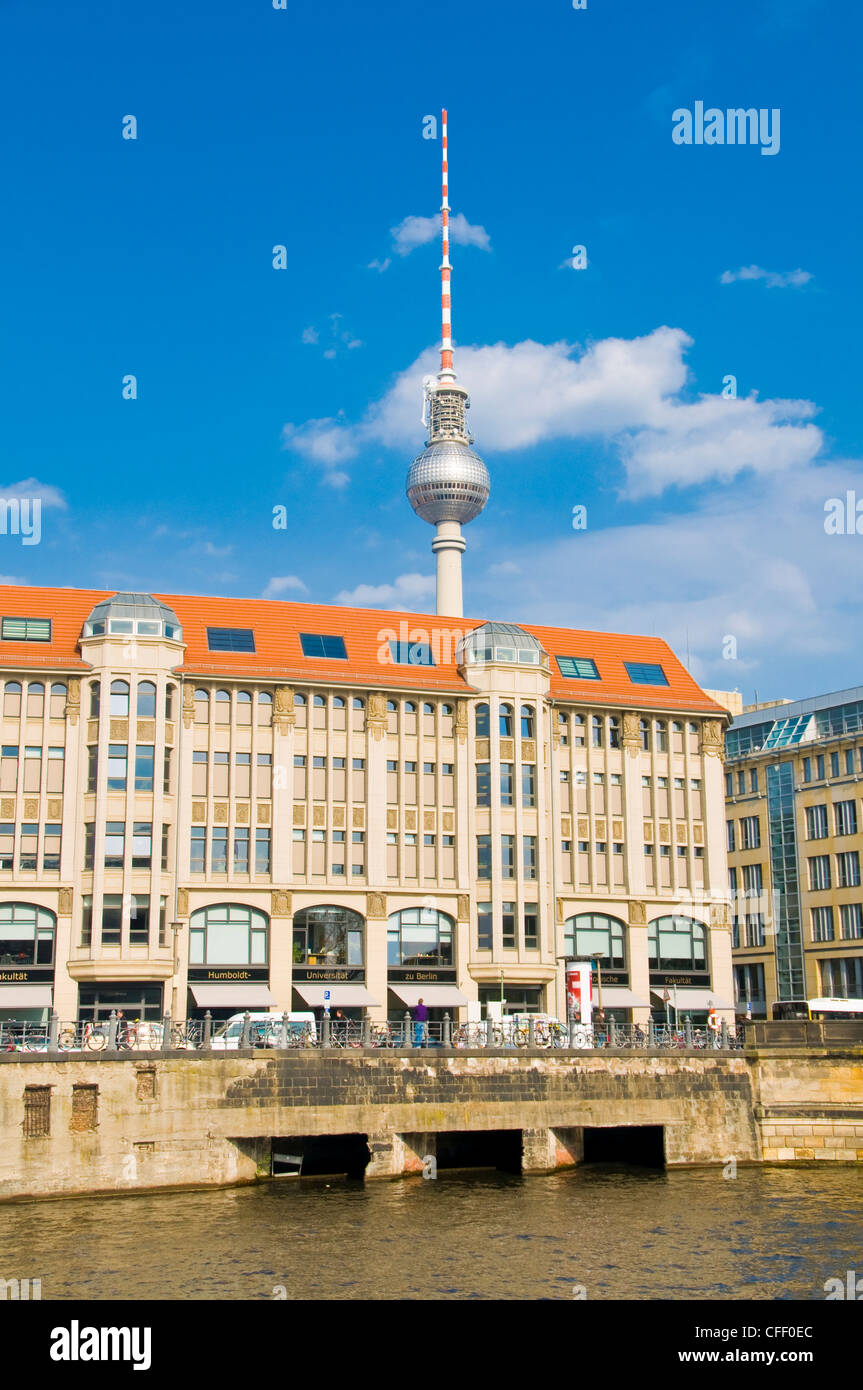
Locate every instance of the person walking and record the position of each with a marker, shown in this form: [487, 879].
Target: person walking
[421, 1015]
[122, 1030]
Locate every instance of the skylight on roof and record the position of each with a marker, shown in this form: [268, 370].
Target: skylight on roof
[645, 673]
[580, 668]
[323, 645]
[230, 639]
[26, 630]
[411, 653]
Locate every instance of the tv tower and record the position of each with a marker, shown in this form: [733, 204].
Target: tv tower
[447, 484]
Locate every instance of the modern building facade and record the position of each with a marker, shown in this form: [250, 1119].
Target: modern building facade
[215, 803]
[794, 834]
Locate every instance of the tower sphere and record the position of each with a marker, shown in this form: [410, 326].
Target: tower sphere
[448, 482]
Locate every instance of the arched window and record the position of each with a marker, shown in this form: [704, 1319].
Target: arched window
[300, 700]
[318, 701]
[644, 730]
[677, 943]
[243, 705]
[338, 702]
[202, 706]
[119, 700]
[505, 721]
[483, 727]
[597, 731]
[95, 694]
[35, 700]
[427, 708]
[420, 937]
[446, 711]
[590, 932]
[527, 721]
[12, 699]
[146, 700]
[661, 729]
[169, 701]
[357, 703]
[58, 701]
[613, 732]
[26, 935]
[410, 707]
[392, 707]
[228, 934]
[223, 706]
[578, 735]
[265, 708]
[328, 935]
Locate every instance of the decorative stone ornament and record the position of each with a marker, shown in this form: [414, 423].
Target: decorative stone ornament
[376, 905]
[188, 706]
[711, 738]
[73, 700]
[280, 904]
[637, 913]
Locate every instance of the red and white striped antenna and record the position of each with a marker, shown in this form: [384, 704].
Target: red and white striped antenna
[447, 372]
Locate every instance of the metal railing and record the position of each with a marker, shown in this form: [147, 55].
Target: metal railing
[280, 1032]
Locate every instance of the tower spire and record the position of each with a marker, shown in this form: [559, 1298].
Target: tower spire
[448, 483]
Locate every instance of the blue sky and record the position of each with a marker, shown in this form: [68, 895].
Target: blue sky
[259, 387]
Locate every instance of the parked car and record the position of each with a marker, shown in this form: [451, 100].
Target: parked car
[266, 1030]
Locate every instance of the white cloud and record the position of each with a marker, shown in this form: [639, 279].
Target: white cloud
[774, 279]
[405, 592]
[627, 393]
[310, 335]
[379, 266]
[49, 495]
[282, 584]
[412, 232]
[505, 567]
[216, 551]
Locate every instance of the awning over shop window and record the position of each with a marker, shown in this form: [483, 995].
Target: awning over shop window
[688, 999]
[836, 1006]
[616, 998]
[25, 996]
[341, 996]
[436, 996]
[229, 996]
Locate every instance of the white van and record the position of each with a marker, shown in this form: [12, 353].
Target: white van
[266, 1030]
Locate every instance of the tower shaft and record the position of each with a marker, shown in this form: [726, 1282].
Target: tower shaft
[448, 545]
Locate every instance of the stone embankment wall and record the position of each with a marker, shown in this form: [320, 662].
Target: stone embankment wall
[139, 1121]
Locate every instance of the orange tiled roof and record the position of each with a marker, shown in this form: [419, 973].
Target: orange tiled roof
[278, 654]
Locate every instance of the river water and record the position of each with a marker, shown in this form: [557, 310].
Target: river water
[769, 1233]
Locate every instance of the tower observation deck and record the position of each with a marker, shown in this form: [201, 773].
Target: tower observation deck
[448, 483]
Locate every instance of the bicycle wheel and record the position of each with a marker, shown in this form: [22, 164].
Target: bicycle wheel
[66, 1040]
[96, 1042]
[559, 1036]
[521, 1036]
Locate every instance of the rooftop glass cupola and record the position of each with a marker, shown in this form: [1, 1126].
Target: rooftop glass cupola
[500, 642]
[140, 615]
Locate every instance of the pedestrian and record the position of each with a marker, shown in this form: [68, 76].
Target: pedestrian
[421, 1015]
[122, 1030]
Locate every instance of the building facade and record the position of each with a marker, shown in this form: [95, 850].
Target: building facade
[213, 803]
[794, 837]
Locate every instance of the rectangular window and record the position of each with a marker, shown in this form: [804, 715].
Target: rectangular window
[219, 850]
[729, 784]
[506, 784]
[262, 851]
[849, 761]
[729, 836]
[834, 764]
[115, 844]
[112, 919]
[848, 869]
[323, 645]
[816, 822]
[750, 833]
[199, 849]
[428, 769]
[819, 873]
[230, 639]
[753, 780]
[508, 925]
[142, 844]
[28, 847]
[241, 850]
[507, 856]
[741, 783]
[528, 784]
[807, 769]
[822, 924]
[819, 768]
[358, 764]
[582, 668]
[483, 784]
[529, 855]
[166, 772]
[484, 939]
[483, 856]
[117, 756]
[56, 764]
[165, 832]
[845, 817]
[144, 755]
[851, 922]
[7, 845]
[411, 653]
[139, 919]
[37, 1106]
[446, 769]
[26, 630]
[645, 673]
[51, 847]
[531, 926]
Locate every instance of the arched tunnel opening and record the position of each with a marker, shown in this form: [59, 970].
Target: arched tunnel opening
[321, 1156]
[641, 1145]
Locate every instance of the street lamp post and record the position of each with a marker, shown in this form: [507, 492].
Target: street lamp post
[176, 928]
[597, 956]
